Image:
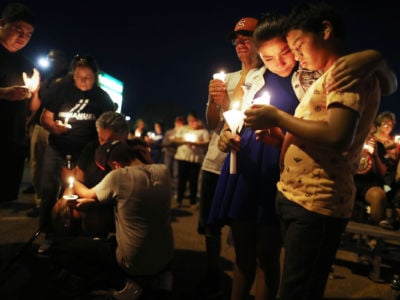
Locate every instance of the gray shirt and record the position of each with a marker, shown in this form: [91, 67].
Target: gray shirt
[142, 209]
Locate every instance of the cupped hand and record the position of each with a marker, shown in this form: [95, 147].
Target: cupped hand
[260, 117]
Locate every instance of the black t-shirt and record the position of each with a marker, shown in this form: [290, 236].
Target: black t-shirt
[13, 114]
[82, 109]
[86, 162]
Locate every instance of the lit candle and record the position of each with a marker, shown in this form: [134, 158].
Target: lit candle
[264, 99]
[221, 75]
[190, 137]
[31, 83]
[234, 118]
[69, 195]
[397, 139]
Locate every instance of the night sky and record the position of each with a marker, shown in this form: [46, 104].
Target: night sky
[166, 52]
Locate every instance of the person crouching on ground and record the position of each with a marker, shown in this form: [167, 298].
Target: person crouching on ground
[143, 245]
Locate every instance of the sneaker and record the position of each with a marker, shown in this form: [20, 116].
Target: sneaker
[33, 213]
[131, 291]
[389, 224]
[45, 246]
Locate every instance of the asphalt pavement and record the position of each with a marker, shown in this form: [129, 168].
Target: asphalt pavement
[25, 275]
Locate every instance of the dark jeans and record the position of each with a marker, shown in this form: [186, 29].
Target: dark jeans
[188, 172]
[93, 260]
[310, 241]
[51, 186]
[13, 164]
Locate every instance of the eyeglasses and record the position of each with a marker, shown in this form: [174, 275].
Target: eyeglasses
[387, 124]
[236, 42]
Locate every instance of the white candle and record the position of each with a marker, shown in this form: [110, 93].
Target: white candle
[221, 76]
[234, 118]
[70, 185]
[397, 139]
[69, 195]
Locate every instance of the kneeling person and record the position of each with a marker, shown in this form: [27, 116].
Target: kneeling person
[143, 245]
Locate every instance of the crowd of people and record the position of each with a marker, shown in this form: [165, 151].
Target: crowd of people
[302, 161]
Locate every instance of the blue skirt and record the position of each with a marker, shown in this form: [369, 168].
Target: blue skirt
[248, 195]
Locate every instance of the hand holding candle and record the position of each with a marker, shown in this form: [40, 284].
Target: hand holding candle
[234, 119]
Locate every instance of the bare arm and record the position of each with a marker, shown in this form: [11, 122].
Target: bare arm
[14, 93]
[337, 132]
[84, 192]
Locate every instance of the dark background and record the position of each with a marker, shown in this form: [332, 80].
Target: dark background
[165, 52]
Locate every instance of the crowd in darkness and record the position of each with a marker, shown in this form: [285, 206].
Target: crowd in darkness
[288, 176]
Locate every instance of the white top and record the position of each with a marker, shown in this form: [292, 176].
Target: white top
[214, 158]
[192, 152]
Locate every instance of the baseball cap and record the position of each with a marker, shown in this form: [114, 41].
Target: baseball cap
[112, 151]
[14, 12]
[244, 26]
[122, 152]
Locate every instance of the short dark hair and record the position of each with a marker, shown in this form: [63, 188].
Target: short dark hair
[140, 149]
[271, 25]
[309, 17]
[14, 12]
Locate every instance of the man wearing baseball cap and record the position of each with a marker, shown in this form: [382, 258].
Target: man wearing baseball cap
[221, 94]
[244, 26]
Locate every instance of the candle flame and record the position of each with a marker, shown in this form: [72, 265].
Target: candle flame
[264, 99]
[235, 105]
[221, 75]
[31, 83]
